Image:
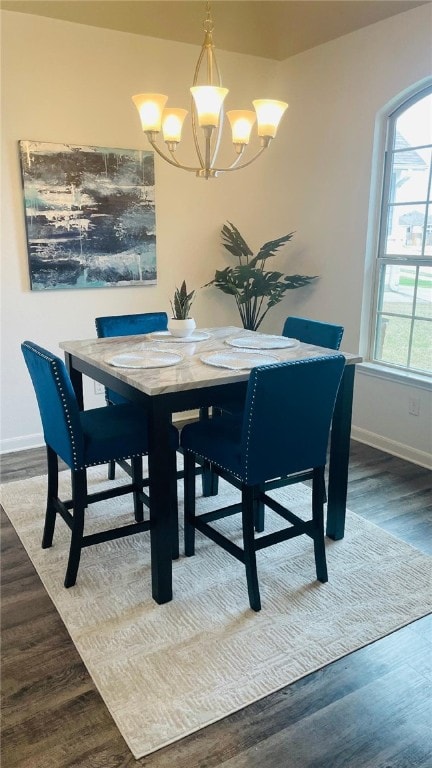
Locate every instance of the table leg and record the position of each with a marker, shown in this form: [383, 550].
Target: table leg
[76, 379]
[159, 420]
[339, 456]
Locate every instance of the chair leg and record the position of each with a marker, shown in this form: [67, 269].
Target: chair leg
[79, 503]
[52, 495]
[323, 489]
[137, 481]
[111, 470]
[248, 521]
[172, 479]
[210, 480]
[318, 520]
[189, 503]
[259, 513]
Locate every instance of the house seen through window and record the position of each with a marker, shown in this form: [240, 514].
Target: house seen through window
[402, 335]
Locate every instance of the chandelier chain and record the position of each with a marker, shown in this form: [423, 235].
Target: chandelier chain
[208, 21]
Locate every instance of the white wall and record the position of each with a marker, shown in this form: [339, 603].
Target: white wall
[335, 93]
[71, 83]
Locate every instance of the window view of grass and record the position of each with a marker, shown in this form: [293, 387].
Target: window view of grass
[422, 283]
[393, 346]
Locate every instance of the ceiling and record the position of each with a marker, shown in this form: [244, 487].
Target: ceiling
[265, 28]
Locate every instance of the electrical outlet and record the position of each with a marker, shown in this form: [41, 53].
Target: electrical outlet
[414, 406]
[98, 388]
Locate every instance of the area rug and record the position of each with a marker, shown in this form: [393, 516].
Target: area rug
[167, 671]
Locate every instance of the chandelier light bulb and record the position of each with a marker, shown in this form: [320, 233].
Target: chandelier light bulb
[150, 107]
[208, 101]
[241, 121]
[269, 114]
[172, 124]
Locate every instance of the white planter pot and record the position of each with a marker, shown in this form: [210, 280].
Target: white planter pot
[181, 327]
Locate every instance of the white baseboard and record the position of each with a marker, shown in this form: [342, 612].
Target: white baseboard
[22, 443]
[400, 450]
[361, 435]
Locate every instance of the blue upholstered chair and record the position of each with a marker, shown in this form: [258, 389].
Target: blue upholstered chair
[319, 334]
[84, 439]
[131, 325]
[283, 432]
[127, 325]
[313, 332]
[303, 329]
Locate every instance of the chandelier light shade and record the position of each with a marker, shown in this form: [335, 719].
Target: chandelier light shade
[207, 114]
[172, 124]
[208, 101]
[241, 121]
[150, 107]
[269, 114]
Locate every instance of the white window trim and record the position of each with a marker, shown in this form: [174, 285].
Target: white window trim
[392, 374]
[368, 310]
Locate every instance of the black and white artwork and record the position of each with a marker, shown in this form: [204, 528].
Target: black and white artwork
[90, 216]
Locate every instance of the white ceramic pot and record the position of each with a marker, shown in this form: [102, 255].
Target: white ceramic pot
[181, 327]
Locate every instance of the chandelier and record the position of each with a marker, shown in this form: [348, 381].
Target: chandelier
[207, 113]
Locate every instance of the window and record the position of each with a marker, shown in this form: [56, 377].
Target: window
[402, 334]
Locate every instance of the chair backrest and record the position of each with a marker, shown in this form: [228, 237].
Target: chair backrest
[287, 417]
[57, 402]
[129, 325]
[313, 332]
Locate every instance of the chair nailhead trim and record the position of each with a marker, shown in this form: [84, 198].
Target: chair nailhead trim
[63, 400]
[256, 375]
[206, 458]
[117, 458]
[244, 476]
[68, 419]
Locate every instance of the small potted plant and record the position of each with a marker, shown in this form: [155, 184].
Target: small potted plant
[180, 323]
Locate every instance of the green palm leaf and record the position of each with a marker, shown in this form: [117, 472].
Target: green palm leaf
[270, 248]
[255, 290]
[234, 242]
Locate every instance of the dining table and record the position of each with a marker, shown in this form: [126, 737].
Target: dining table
[170, 375]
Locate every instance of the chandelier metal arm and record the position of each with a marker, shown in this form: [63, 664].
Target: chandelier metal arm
[213, 75]
[172, 161]
[213, 67]
[206, 170]
[193, 110]
[235, 167]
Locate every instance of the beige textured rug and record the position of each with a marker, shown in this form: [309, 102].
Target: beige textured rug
[167, 671]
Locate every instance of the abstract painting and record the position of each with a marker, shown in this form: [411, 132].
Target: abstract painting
[90, 216]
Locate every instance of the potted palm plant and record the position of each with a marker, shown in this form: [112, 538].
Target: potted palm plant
[181, 323]
[255, 289]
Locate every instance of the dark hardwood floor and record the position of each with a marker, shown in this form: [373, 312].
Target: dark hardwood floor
[371, 709]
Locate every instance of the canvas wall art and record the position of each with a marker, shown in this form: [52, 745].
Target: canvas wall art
[90, 216]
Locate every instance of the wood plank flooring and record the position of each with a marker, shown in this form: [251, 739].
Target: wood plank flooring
[371, 709]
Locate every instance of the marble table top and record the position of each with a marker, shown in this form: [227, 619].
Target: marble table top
[191, 372]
